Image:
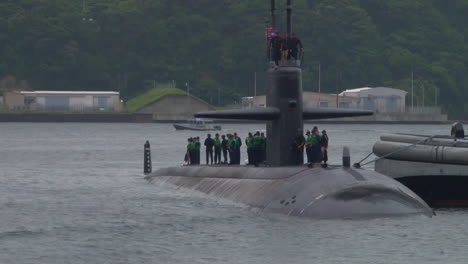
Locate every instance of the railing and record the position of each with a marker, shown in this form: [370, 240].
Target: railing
[287, 63]
[290, 62]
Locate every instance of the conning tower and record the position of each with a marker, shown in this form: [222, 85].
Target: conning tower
[284, 111]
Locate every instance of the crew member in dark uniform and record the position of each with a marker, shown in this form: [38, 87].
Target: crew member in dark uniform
[209, 144]
[217, 149]
[249, 145]
[263, 147]
[324, 144]
[189, 154]
[224, 147]
[294, 42]
[232, 149]
[275, 47]
[285, 49]
[297, 148]
[308, 146]
[237, 144]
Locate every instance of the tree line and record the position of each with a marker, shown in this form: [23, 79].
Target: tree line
[215, 47]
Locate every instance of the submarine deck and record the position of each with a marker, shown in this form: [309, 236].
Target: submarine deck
[242, 171]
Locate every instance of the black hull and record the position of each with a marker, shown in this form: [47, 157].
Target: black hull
[439, 191]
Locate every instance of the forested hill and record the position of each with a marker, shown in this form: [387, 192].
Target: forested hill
[124, 44]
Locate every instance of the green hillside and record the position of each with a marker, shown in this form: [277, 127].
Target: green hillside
[146, 98]
[217, 45]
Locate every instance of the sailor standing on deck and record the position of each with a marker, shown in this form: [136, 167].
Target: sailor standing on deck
[316, 146]
[324, 144]
[238, 144]
[257, 148]
[294, 43]
[224, 147]
[275, 48]
[297, 148]
[209, 144]
[197, 147]
[284, 49]
[231, 146]
[217, 149]
[189, 153]
[308, 145]
[263, 147]
[249, 145]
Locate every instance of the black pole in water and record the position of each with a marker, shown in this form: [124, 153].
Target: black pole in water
[346, 158]
[147, 159]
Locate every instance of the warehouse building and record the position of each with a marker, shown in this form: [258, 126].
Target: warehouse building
[80, 101]
[379, 99]
[310, 99]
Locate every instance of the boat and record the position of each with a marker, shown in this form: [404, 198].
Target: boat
[196, 124]
[434, 167]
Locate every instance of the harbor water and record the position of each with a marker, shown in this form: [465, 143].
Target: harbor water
[75, 193]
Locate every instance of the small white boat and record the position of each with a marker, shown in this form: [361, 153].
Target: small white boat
[197, 125]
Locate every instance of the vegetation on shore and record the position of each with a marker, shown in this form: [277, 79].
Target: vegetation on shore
[216, 46]
[150, 96]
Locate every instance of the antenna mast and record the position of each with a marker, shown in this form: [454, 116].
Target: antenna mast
[273, 15]
[288, 17]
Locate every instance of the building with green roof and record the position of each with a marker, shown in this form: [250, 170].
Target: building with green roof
[167, 104]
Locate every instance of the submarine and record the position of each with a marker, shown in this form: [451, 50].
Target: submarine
[334, 192]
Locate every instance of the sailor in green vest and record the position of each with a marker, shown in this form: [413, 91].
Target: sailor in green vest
[231, 149]
[309, 143]
[217, 146]
[197, 147]
[316, 151]
[249, 144]
[257, 148]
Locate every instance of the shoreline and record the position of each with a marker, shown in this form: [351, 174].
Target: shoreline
[147, 118]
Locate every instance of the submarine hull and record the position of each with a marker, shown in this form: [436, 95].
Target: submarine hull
[332, 193]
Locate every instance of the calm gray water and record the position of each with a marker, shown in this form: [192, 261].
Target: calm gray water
[74, 193]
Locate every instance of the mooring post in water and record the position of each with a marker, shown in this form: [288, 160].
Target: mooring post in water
[346, 158]
[147, 158]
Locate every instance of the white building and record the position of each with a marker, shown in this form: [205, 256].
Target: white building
[379, 99]
[310, 99]
[63, 100]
